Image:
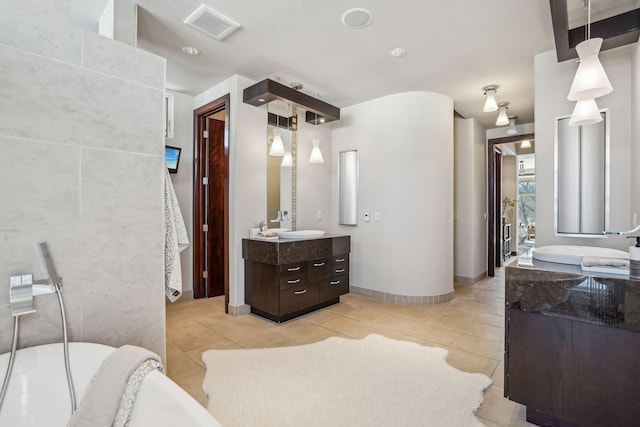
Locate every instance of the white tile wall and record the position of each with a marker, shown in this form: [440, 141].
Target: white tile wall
[81, 155]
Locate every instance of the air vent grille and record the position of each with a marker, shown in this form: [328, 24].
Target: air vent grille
[211, 22]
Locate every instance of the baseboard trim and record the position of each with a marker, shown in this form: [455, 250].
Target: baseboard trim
[402, 299]
[462, 280]
[239, 310]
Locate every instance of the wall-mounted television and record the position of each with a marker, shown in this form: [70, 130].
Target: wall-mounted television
[172, 158]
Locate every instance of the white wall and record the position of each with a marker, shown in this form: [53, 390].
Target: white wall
[82, 153]
[405, 151]
[183, 180]
[552, 83]
[470, 206]
[247, 173]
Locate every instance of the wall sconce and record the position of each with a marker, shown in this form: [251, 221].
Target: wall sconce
[512, 126]
[490, 104]
[277, 147]
[586, 112]
[287, 160]
[503, 120]
[316, 154]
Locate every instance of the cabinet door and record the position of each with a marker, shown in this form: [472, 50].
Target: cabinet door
[318, 270]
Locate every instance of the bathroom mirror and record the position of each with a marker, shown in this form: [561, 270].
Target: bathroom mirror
[348, 182]
[282, 125]
[581, 197]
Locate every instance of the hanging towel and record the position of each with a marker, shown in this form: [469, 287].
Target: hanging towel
[175, 241]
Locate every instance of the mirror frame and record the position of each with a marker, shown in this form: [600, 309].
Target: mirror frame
[607, 172]
[348, 170]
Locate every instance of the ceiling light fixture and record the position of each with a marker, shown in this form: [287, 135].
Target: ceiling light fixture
[490, 104]
[512, 126]
[191, 50]
[316, 154]
[398, 52]
[277, 147]
[502, 114]
[590, 81]
[586, 112]
[525, 144]
[357, 18]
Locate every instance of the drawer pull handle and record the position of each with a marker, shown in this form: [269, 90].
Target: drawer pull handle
[293, 269]
[339, 270]
[291, 282]
[304, 291]
[337, 282]
[318, 264]
[340, 260]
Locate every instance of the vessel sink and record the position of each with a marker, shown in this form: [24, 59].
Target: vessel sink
[300, 234]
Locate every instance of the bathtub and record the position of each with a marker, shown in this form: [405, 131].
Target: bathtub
[38, 395]
[573, 255]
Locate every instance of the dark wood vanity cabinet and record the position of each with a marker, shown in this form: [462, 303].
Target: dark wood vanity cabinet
[288, 278]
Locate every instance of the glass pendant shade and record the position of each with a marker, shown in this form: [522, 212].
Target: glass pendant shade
[585, 113]
[512, 127]
[287, 160]
[316, 155]
[490, 104]
[277, 147]
[590, 80]
[502, 116]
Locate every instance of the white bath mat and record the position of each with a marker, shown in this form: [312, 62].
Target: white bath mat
[375, 381]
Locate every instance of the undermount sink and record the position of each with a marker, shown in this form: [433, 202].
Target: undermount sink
[300, 234]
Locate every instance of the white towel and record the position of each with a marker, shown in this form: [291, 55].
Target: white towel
[175, 241]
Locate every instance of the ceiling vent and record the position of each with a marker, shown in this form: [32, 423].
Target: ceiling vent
[212, 23]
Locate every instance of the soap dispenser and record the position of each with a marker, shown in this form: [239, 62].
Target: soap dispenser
[634, 258]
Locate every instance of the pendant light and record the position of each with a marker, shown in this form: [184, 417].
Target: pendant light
[503, 120]
[277, 147]
[287, 160]
[512, 126]
[316, 154]
[490, 104]
[590, 80]
[585, 113]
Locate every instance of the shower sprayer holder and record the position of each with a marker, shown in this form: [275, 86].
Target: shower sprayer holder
[22, 289]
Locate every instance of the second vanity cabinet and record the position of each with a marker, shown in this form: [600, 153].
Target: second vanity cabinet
[285, 278]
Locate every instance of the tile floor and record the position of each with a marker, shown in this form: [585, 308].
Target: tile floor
[471, 327]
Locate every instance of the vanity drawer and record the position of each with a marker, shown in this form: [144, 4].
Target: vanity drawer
[334, 287]
[318, 269]
[340, 264]
[298, 298]
[295, 268]
[290, 280]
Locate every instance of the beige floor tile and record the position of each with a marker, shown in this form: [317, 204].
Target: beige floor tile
[470, 362]
[492, 349]
[470, 327]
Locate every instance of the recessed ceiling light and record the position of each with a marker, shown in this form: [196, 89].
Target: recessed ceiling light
[357, 18]
[397, 52]
[191, 50]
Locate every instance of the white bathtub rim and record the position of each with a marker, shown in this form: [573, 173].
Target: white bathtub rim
[160, 402]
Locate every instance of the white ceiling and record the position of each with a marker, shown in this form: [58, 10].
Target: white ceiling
[453, 47]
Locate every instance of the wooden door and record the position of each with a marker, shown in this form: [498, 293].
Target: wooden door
[216, 209]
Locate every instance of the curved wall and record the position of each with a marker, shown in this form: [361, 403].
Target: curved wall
[405, 149]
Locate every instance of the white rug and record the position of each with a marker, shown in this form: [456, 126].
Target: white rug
[375, 381]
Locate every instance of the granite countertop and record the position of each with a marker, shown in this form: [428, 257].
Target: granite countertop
[285, 251]
[565, 291]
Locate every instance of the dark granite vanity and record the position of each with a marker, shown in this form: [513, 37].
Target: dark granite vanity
[287, 278]
[572, 344]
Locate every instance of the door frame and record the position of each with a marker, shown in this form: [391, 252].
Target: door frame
[493, 226]
[200, 169]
